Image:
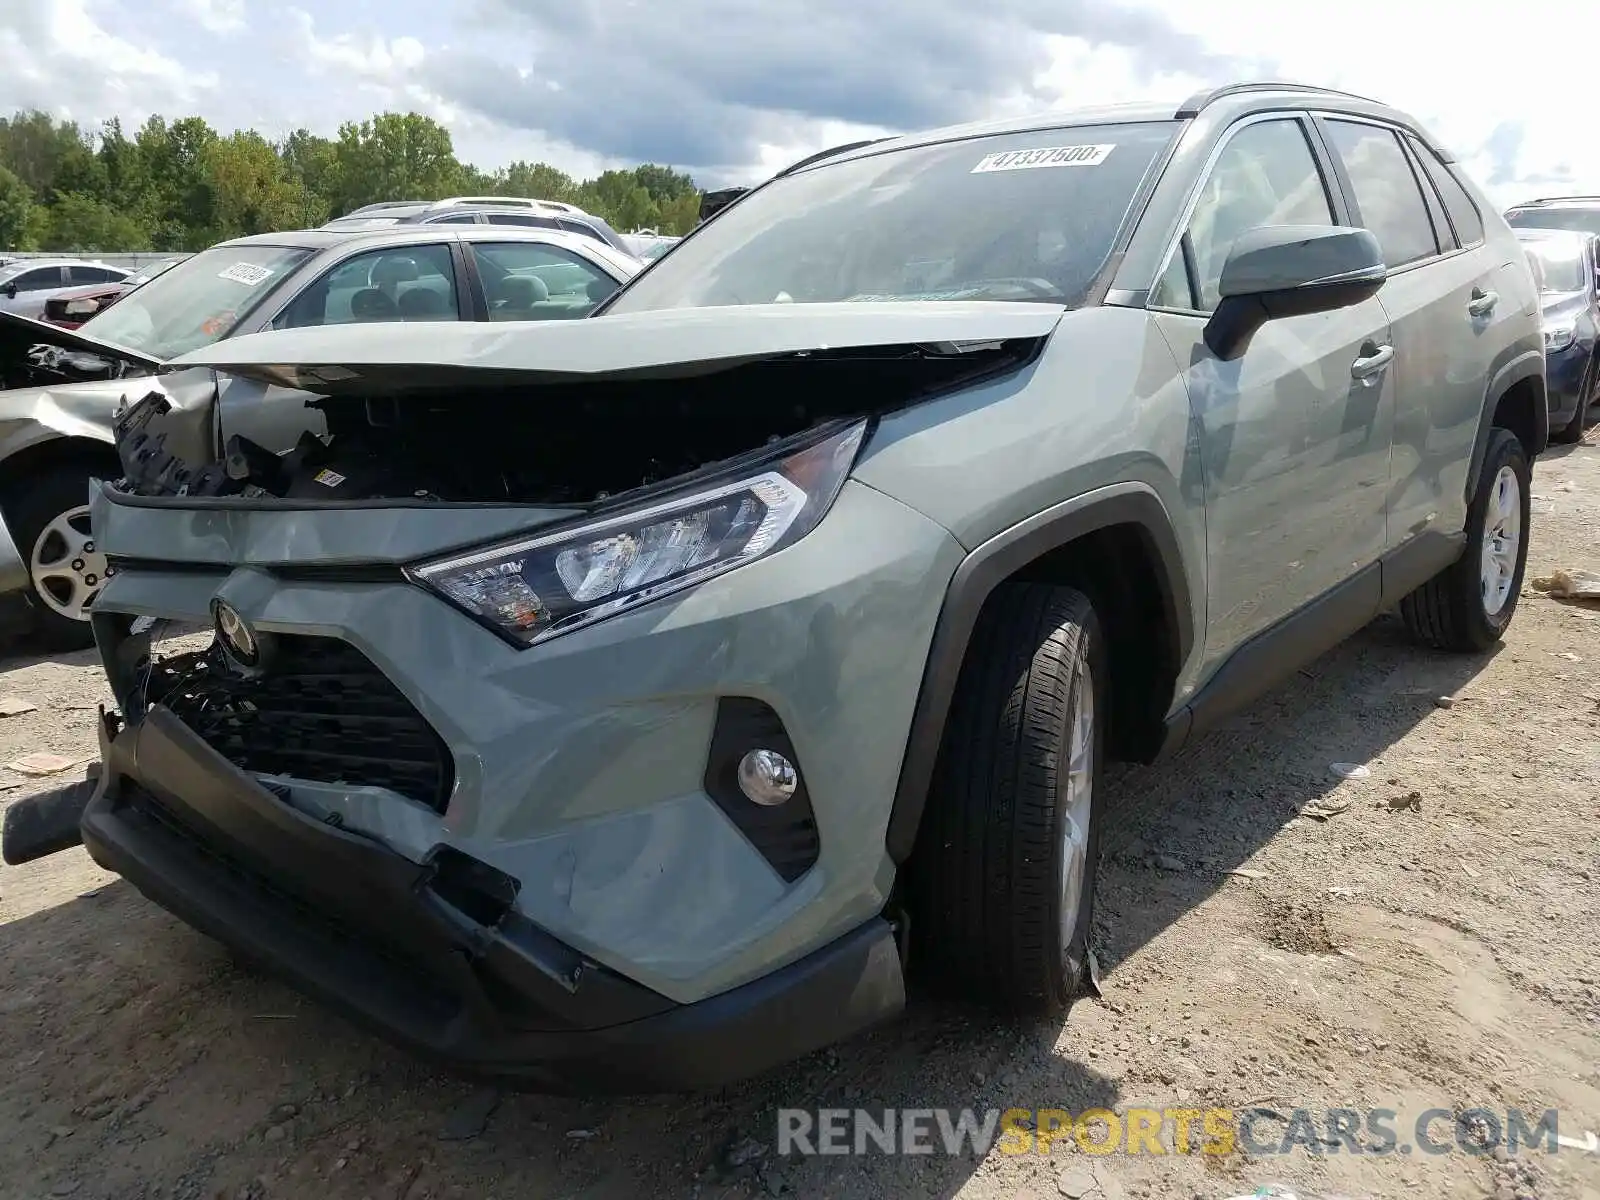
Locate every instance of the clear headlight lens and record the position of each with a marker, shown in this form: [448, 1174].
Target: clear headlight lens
[536, 588]
[1559, 337]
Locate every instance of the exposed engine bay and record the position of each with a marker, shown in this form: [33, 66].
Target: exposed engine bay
[567, 442]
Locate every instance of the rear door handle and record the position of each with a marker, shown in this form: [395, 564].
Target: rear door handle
[1482, 303]
[1369, 365]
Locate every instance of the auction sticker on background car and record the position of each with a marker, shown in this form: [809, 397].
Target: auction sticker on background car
[1044, 156]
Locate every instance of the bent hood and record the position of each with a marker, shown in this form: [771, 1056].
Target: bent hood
[391, 358]
[16, 328]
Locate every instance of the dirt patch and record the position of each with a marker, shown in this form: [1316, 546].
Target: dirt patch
[1296, 927]
[141, 1062]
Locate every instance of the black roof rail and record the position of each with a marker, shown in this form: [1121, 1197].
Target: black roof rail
[829, 153]
[1195, 104]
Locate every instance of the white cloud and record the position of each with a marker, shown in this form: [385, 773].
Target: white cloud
[1488, 91]
[56, 56]
[1462, 72]
[216, 16]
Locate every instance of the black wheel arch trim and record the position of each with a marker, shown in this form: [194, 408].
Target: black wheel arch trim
[988, 565]
[1527, 365]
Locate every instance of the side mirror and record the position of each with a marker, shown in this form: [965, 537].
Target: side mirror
[1290, 271]
[10, 290]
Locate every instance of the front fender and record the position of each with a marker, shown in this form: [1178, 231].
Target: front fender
[985, 568]
[1523, 365]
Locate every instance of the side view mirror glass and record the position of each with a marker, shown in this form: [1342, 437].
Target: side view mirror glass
[1281, 271]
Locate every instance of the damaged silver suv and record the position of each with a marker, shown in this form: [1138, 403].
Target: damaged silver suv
[629, 703]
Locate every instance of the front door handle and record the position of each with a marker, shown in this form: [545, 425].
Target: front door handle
[1482, 303]
[1369, 365]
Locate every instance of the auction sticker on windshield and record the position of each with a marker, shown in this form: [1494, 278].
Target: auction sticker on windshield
[246, 273]
[1044, 156]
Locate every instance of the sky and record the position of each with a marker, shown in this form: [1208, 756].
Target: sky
[732, 90]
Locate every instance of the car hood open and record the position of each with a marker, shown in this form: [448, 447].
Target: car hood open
[399, 358]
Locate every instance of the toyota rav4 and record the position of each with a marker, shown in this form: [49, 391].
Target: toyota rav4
[630, 703]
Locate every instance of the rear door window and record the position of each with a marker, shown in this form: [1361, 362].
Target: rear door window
[531, 281]
[79, 273]
[1387, 196]
[1464, 215]
[39, 279]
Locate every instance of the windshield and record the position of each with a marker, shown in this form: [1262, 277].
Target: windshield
[1580, 220]
[1028, 216]
[197, 302]
[1560, 268]
[146, 274]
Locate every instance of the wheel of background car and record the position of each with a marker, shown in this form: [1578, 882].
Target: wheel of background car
[1468, 606]
[1572, 431]
[1001, 880]
[49, 517]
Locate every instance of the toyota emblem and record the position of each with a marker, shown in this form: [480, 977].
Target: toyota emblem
[234, 633]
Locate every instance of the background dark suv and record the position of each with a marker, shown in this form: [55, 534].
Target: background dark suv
[1581, 214]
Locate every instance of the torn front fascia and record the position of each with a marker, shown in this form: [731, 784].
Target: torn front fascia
[149, 470]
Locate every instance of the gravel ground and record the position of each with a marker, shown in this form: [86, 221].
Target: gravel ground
[1425, 940]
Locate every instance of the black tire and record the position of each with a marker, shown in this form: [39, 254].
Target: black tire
[31, 507]
[985, 881]
[1450, 611]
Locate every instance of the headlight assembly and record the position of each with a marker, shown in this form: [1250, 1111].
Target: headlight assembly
[1559, 337]
[539, 587]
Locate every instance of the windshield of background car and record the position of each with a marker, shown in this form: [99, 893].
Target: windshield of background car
[1025, 216]
[197, 302]
[1560, 269]
[1580, 220]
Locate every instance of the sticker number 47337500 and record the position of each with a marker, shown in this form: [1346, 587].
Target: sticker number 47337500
[1044, 156]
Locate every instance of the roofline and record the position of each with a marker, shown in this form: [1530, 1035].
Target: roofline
[403, 234]
[1552, 200]
[822, 154]
[1197, 103]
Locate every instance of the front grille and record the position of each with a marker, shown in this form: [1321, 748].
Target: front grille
[321, 712]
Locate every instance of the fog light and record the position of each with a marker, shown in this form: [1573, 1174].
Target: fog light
[767, 777]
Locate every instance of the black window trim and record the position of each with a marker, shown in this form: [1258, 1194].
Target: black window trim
[1179, 243]
[1399, 130]
[1420, 148]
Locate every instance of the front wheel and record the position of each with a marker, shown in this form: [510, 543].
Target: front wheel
[49, 519]
[1468, 606]
[1003, 874]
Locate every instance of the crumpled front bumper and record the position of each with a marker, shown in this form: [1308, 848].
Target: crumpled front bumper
[406, 949]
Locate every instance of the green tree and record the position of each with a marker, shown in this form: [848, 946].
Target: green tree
[251, 189]
[540, 181]
[619, 198]
[312, 162]
[394, 156]
[47, 155]
[75, 223]
[182, 200]
[182, 185]
[16, 211]
[664, 184]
